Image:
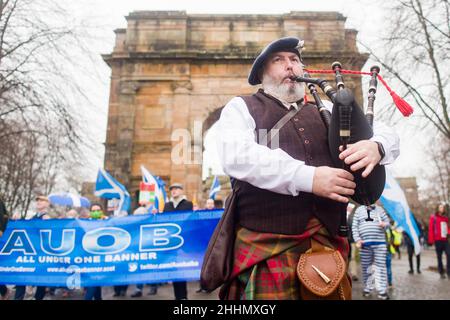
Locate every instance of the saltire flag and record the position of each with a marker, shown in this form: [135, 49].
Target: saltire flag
[215, 187]
[160, 194]
[162, 188]
[107, 187]
[394, 202]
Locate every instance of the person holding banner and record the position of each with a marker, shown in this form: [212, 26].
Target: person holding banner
[178, 202]
[146, 207]
[42, 205]
[72, 214]
[438, 235]
[210, 205]
[4, 292]
[3, 217]
[289, 198]
[95, 293]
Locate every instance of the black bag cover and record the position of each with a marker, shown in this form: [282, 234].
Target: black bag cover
[368, 190]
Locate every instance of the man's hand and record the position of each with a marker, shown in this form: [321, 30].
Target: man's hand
[359, 244]
[16, 216]
[362, 154]
[333, 183]
[1, 233]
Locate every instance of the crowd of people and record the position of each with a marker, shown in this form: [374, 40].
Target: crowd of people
[377, 242]
[178, 202]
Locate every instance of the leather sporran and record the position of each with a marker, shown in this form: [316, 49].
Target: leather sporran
[218, 260]
[322, 273]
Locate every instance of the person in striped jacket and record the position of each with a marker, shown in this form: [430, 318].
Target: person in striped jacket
[370, 237]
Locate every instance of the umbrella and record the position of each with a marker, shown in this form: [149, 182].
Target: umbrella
[68, 199]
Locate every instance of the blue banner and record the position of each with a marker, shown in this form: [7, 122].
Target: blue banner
[117, 251]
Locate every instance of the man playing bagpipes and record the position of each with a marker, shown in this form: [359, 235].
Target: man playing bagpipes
[288, 196]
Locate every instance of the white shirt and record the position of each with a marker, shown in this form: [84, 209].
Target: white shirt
[243, 158]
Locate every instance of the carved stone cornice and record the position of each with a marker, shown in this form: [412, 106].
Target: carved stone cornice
[181, 86]
[129, 87]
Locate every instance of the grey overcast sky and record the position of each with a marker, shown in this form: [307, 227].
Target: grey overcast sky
[365, 16]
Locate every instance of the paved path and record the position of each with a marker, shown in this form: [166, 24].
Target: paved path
[426, 285]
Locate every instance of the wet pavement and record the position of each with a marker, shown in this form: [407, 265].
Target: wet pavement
[425, 286]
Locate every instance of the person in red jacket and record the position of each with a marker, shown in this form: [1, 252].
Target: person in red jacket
[437, 235]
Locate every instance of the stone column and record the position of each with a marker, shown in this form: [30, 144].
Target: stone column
[121, 165]
[181, 155]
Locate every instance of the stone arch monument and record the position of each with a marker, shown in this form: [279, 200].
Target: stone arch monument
[171, 71]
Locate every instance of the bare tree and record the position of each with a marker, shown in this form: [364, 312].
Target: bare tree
[437, 173]
[417, 54]
[39, 49]
[44, 57]
[17, 169]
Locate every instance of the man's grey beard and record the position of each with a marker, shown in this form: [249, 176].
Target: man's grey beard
[284, 91]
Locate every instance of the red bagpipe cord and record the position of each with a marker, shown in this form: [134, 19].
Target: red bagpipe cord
[401, 104]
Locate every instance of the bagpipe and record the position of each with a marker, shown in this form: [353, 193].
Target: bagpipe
[347, 124]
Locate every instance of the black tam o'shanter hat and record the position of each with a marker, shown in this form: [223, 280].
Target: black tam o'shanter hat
[287, 44]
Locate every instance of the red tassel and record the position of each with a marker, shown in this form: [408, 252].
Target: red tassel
[402, 105]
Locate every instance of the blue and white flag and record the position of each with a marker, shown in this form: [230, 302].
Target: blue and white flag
[162, 188]
[68, 199]
[215, 187]
[395, 204]
[107, 187]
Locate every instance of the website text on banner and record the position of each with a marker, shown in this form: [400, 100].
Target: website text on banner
[116, 251]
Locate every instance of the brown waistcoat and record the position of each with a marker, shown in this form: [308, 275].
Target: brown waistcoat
[304, 138]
